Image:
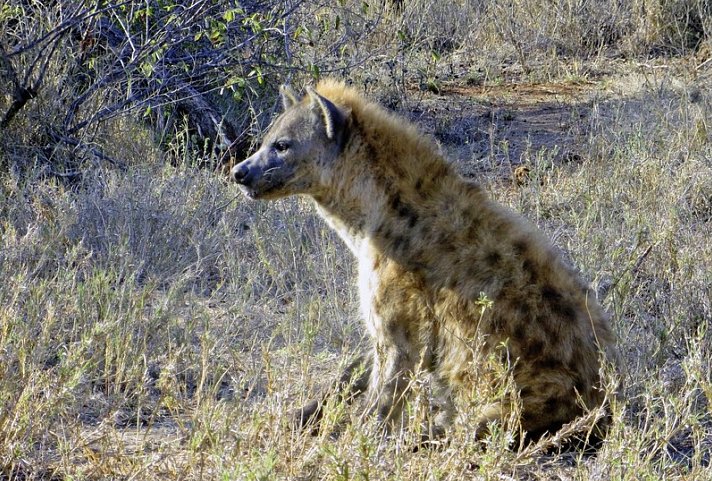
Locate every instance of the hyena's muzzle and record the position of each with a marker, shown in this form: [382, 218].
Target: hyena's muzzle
[261, 174]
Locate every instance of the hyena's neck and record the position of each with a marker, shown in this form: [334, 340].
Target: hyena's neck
[402, 217]
[351, 211]
[350, 225]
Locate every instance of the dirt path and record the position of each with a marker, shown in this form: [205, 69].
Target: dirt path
[495, 128]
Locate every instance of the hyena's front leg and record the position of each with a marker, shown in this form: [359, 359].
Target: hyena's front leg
[392, 382]
[394, 363]
[353, 382]
[442, 409]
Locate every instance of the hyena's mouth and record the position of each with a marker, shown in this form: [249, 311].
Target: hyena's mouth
[247, 191]
[262, 190]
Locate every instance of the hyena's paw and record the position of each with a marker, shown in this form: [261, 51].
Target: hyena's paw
[307, 417]
[432, 438]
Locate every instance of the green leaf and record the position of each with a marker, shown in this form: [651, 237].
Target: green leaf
[147, 68]
[315, 72]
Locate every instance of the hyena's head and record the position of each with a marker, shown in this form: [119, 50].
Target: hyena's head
[300, 146]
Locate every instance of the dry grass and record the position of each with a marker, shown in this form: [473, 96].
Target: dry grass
[154, 325]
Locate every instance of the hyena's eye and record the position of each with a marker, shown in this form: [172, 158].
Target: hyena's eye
[280, 146]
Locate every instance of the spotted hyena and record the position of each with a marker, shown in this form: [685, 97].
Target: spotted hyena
[430, 247]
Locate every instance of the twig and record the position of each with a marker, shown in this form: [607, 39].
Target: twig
[633, 270]
[21, 95]
[57, 137]
[700, 66]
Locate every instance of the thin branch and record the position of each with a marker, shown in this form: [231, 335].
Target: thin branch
[21, 95]
[71, 22]
[74, 142]
[20, 98]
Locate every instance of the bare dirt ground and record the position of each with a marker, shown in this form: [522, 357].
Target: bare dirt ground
[507, 124]
[495, 127]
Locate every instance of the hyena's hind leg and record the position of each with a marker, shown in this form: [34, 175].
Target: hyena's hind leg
[500, 413]
[353, 382]
[541, 415]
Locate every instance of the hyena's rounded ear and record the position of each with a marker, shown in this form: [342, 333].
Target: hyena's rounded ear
[289, 97]
[334, 118]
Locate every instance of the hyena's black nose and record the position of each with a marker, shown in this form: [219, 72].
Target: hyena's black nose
[241, 173]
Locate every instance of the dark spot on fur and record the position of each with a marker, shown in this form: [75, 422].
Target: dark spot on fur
[530, 271]
[493, 259]
[403, 210]
[565, 309]
[359, 226]
[523, 310]
[549, 363]
[557, 303]
[394, 328]
[412, 220]
[520, 248]
[401, 243]
[533, 348]
[519, 332]
[448, 246]
[418, 184]
[552, 404]
[550, 294]
[581, 385]
[526, 392]
[383, 231]
[371, 152]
